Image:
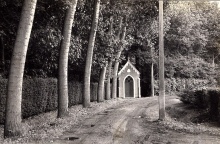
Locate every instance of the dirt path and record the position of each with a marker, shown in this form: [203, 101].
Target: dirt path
[132, 122]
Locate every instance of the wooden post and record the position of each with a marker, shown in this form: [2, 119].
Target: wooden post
[161, 65]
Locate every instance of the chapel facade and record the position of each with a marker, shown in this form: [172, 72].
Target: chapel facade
[129, 81]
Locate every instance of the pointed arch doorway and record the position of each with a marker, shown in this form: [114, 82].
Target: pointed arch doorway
[129, 87]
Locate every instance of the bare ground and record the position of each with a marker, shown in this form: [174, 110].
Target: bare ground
[120, 121]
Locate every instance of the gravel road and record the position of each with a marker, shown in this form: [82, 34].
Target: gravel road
[130, 123]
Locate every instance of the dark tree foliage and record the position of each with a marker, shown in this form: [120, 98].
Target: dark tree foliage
[42, 56]
[9, 18]
[182, 37]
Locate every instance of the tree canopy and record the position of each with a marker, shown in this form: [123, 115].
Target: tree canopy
[191, 29]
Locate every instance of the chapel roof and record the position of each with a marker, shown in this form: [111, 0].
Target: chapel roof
[126, 65]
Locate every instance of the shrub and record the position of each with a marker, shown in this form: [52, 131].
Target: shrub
[197, 97]
[214, 103]
[201, 98]
[187, 96]
[204, 99]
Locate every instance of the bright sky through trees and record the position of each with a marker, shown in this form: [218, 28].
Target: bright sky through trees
[216, 2]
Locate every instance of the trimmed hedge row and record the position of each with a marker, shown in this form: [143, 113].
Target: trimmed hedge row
[203, 99]
[75, 93]
[93, 92]
[40, 95]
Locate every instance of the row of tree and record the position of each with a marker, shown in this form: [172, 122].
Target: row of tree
[118, 29]
[115, 42]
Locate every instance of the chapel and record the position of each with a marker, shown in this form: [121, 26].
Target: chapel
[129, 81]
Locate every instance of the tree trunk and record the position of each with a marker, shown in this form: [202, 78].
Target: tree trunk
[63, 61]
[115, 71]
[100, 97]
[119, 29]
[115, 76]
[161, 65]
[86, 92]
[111, 25]
[152, 79]
[152, 70]
[213, 60]
[108, 88]
[2, 55]
[14, 91]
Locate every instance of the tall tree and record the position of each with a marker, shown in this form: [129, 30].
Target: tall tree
[117, 57]
[86, 91]
[63, 60]
[161, 65]
[14, 92]
[110, 45]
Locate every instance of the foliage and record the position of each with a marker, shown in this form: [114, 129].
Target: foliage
[197, 98]
[179, 85]
[186, 33]
[42, 56]
[188, 67]
[191, 28]
[191, 36]
[206, 98]
[212, 26]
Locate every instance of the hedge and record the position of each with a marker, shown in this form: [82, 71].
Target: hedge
[207, 98]
[75, 93]
[35, 96]
[40, 95]
[94, 92]
[197, 98]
